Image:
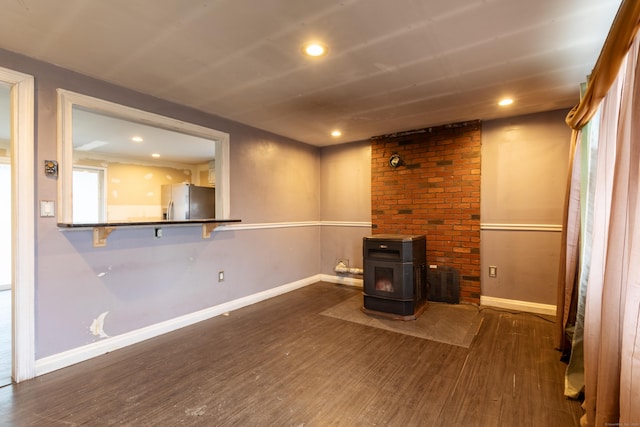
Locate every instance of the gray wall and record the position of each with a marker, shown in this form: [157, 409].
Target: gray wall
[345, 203]
[524, 167]
[140, 280]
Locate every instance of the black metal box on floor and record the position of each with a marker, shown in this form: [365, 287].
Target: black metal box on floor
[444, 285]
[395, 273]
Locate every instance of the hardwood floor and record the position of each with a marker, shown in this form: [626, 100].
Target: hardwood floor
[280, 363]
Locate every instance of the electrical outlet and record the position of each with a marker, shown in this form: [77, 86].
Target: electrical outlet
[493, 271]
[158, 233]
[220, 276]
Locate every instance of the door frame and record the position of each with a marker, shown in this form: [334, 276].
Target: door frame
[22, 222]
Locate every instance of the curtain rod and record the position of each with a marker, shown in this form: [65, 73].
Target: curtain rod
[618, 42]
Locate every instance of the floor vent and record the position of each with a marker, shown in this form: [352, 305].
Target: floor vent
[444, 285]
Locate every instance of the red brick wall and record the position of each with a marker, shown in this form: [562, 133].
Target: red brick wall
[436, 192]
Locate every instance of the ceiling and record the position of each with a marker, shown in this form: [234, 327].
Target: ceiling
[392, 65]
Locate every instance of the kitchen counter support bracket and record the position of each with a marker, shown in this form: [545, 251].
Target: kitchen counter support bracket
[100, 235]
[207, 228]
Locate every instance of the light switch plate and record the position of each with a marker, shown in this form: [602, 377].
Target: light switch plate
[47, 208]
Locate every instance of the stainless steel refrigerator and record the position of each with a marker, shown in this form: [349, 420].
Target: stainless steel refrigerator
[187, 201]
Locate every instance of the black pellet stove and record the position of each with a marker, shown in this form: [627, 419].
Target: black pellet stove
[395, 275]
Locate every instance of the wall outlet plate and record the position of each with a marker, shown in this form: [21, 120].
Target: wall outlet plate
[493, 271]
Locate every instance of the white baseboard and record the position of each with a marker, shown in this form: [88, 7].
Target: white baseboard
[341, 280]
[512, 304]
[86, 352]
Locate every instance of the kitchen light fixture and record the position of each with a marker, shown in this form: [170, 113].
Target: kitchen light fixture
[504, 102]
[315, 49]
[137, 138]
[155, 155]
[336, 133]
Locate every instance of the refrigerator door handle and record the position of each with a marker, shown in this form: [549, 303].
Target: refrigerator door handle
[170, 210]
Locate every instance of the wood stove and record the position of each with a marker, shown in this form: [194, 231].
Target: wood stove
[395, 275]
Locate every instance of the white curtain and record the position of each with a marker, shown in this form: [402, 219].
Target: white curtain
[610, 263]
[585, 170]
[611, 322]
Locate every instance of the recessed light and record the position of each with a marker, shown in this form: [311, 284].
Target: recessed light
[315, 49]
[504, 102]
[155, 155]
[137, 139]
[336, 133]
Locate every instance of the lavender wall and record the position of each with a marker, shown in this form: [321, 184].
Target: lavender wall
[345, 203]
[524, 163]
[524, 167]
[141, 280]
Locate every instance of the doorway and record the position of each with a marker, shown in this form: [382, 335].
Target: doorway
[17, 109]
[5, 237]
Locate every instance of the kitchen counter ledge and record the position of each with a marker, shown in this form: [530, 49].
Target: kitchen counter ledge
[102, 230]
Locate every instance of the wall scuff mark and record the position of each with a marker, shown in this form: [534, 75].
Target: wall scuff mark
[97, 326]
[104, 273]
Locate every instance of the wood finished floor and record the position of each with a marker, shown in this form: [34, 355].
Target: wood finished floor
[281, 363]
